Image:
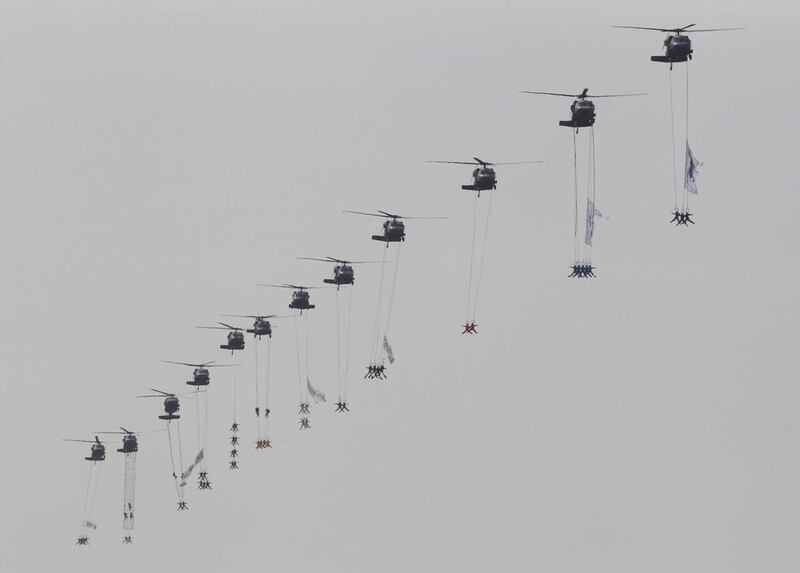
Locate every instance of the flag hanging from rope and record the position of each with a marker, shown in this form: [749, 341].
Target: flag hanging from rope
[689, 181]
[591, 213]
[314, 393]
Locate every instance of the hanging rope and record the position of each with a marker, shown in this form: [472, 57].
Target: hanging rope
[266, 388]
[376, 333]
[685, 190]
[349, 313]
[472, 254]
[482, 257]
[392, 291]
[258, 399]
[338, 347]
[575, 178]
[672, 128]
[297, 345]
[308, 360]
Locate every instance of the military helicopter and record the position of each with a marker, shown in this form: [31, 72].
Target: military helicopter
[342, 272]
[261, 324]
[677, 47]
[394, 230]
[130, 444]
[582, 109]
[300, 297]
[483, 176]
[171, 404]
[235, 337]
[201, 375]
[98, 451]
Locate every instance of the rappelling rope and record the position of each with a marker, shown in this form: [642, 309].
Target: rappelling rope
[266, 388]
[347, 343]
[338, 347]
[172, 459]
[672, 128]
[297, 344]
[685, 191]
[482, 258]
[472, 254]
[592, 187]
[86, 495]
[391, 293]
[575, 177]
[258, 398]
[308, 360]
[377, 323]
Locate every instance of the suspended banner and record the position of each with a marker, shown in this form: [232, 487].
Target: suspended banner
[591, 213]
[689, 182]
[314, 393]
[387, 347]
[198, 458]
[89, 524]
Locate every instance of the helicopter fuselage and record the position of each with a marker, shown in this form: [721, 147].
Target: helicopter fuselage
[300, 301]
[677, 48]
[394, 231]
[342, 275]
[483, 179]
[98, 453]
[235, 342]
[201, 376]
[261, 328]
[583, 114]
[171, 406]
[130, 444]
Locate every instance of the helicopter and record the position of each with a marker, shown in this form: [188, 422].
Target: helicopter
[201, 375]
[677, 47]
[130, 444]
[98, 451]
[483, 176]
[394, 230]
[342, 272]
[261, 324]
[300, 297]
[235, 337]
[171, 404]
[583, 114]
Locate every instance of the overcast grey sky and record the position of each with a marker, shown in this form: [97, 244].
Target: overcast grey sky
[161, 158]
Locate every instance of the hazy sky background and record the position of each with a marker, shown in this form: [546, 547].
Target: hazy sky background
[161, 158]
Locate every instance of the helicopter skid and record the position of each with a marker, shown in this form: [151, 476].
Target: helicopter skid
[567, 123]
[383, 239]
[169, 417]
[469, 188]
[193, 383]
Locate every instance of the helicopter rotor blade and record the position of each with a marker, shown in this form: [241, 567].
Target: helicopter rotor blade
[646, 28]
[363, 213]
[439, 218]
[391, 215]
[187, 363]
[590, 96]
[454, 162]
[518, 163]
[715, 29]
[482, 162]
[548, 93]
[81, 441]
[229, 326]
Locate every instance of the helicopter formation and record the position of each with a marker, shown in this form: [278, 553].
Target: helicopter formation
[583, 115]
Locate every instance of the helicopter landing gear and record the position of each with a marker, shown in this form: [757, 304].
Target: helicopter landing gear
[583, 271]
[469, 328]
[682, 218]
[342, 406]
